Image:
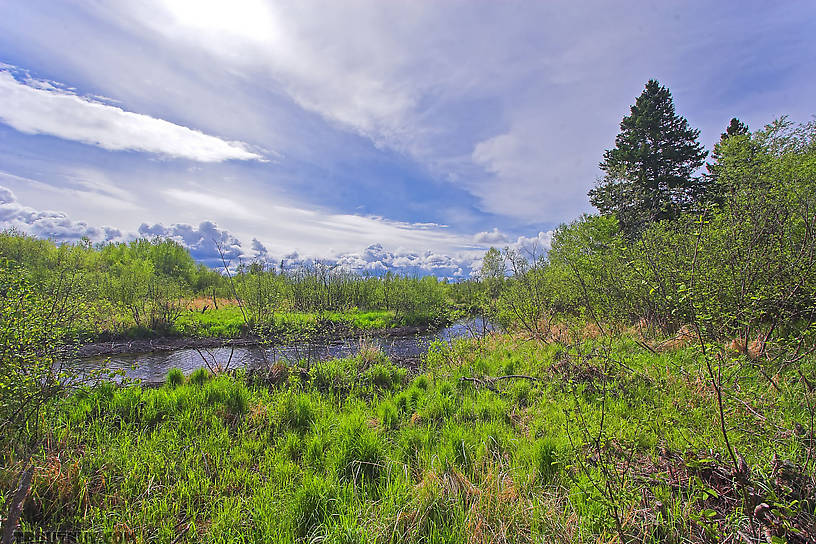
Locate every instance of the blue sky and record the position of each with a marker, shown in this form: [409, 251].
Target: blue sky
[384, 135]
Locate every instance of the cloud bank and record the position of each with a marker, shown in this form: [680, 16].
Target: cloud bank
[212, 245]
[207, 243]
[49, 224]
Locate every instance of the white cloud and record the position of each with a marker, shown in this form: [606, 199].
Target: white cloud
[376, 260]
[87, 186]
[48, 224]
[534, 247]
[447, 259]
[491, 237]
[448, 83]
[513, 104]
[259, 249]
[210, 201]
[207, 243]
[33, 107]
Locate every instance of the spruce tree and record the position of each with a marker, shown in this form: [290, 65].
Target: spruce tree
[649, 174]
[736, 129]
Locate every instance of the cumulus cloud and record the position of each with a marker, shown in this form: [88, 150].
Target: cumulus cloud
[49, 224]
[534, 247]
[37, 107]
[207, 243]
[259, 249]
[491, 237]
[376, 260]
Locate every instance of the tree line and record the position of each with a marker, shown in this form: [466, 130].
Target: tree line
[148, 284]
[729, 248]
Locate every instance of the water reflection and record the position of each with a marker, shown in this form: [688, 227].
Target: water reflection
[153, 367]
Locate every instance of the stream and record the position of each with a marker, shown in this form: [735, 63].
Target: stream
[152, 367]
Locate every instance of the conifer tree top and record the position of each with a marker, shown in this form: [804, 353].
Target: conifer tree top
[649, 174]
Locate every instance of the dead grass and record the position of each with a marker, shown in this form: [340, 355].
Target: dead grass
[752, 348]
[368, 351]
[206, 303]
[495, 510]
[684, 337]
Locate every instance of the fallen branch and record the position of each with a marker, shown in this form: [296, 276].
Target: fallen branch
[490, 381]
[16, 504]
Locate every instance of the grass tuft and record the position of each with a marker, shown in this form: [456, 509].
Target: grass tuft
[175, 377]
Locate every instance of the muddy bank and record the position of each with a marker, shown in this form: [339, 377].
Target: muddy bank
[174, 343]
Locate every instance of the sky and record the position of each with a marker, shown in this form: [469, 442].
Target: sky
[382, 135]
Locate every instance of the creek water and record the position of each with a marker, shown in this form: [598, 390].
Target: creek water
[152, 367]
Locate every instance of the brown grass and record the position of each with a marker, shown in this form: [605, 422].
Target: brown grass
[684, 337]
[201, 303]
[496, 510]
[753, 348]
[368, 351]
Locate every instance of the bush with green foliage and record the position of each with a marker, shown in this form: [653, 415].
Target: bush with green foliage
[145, 288]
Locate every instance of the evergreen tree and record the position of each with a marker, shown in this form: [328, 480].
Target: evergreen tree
[649, 174]
[736, 128]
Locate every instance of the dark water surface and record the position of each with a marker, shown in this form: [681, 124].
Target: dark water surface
[153, 367]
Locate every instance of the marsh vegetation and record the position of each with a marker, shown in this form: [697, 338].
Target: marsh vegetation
[652, 381]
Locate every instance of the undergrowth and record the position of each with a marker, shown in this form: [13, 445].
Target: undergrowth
[356, 450]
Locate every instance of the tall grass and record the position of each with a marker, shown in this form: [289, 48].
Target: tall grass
[357, 452]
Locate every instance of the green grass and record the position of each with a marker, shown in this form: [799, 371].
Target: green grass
[361, 452]
[228, 322]
[225, 322]
[377, 319]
